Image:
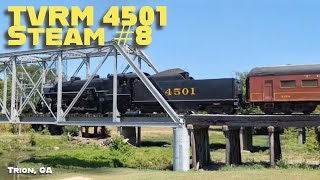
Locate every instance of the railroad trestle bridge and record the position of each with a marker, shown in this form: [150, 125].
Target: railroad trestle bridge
[186, 128]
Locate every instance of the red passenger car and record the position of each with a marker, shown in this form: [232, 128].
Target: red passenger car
[287, 89]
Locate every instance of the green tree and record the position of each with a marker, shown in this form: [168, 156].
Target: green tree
[242, 76]
[34, 72]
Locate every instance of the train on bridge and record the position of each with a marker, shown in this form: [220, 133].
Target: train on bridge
[180, 90]
[279, 89]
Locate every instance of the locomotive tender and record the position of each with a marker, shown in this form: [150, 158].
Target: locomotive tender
[287, 89]
[181, 91]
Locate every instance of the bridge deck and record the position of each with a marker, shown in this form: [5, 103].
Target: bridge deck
[255, 120]
[165, 120]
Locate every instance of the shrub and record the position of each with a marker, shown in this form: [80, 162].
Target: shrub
[5, 127]
[32, 140]
[119, 144]
[13, 128]
[303, 165]
[311, 142]
[26, 127]
[45, 131]
[282, 163]
[291, 136]
[72, 130]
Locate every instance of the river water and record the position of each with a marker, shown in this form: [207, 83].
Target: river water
[12, 159]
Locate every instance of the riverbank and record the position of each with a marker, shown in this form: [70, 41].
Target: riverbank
[152, 160]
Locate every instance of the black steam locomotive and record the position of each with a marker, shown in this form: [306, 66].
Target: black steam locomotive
[181, 91]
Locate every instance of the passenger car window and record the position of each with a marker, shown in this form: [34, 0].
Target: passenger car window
[288, 84]
[310, 83]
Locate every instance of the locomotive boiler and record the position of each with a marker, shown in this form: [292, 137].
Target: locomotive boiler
[180, 90]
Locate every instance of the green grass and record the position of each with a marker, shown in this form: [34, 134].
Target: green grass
[236, 173]
[89, 160]
[94, 157]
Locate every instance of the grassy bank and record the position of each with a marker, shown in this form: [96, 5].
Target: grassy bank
[70, 158]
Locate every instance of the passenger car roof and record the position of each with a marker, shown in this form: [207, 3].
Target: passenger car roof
[285, 70]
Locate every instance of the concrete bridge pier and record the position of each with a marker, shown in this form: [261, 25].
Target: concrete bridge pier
[181, 146]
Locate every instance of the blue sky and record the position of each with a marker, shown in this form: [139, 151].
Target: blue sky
[216, 38]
